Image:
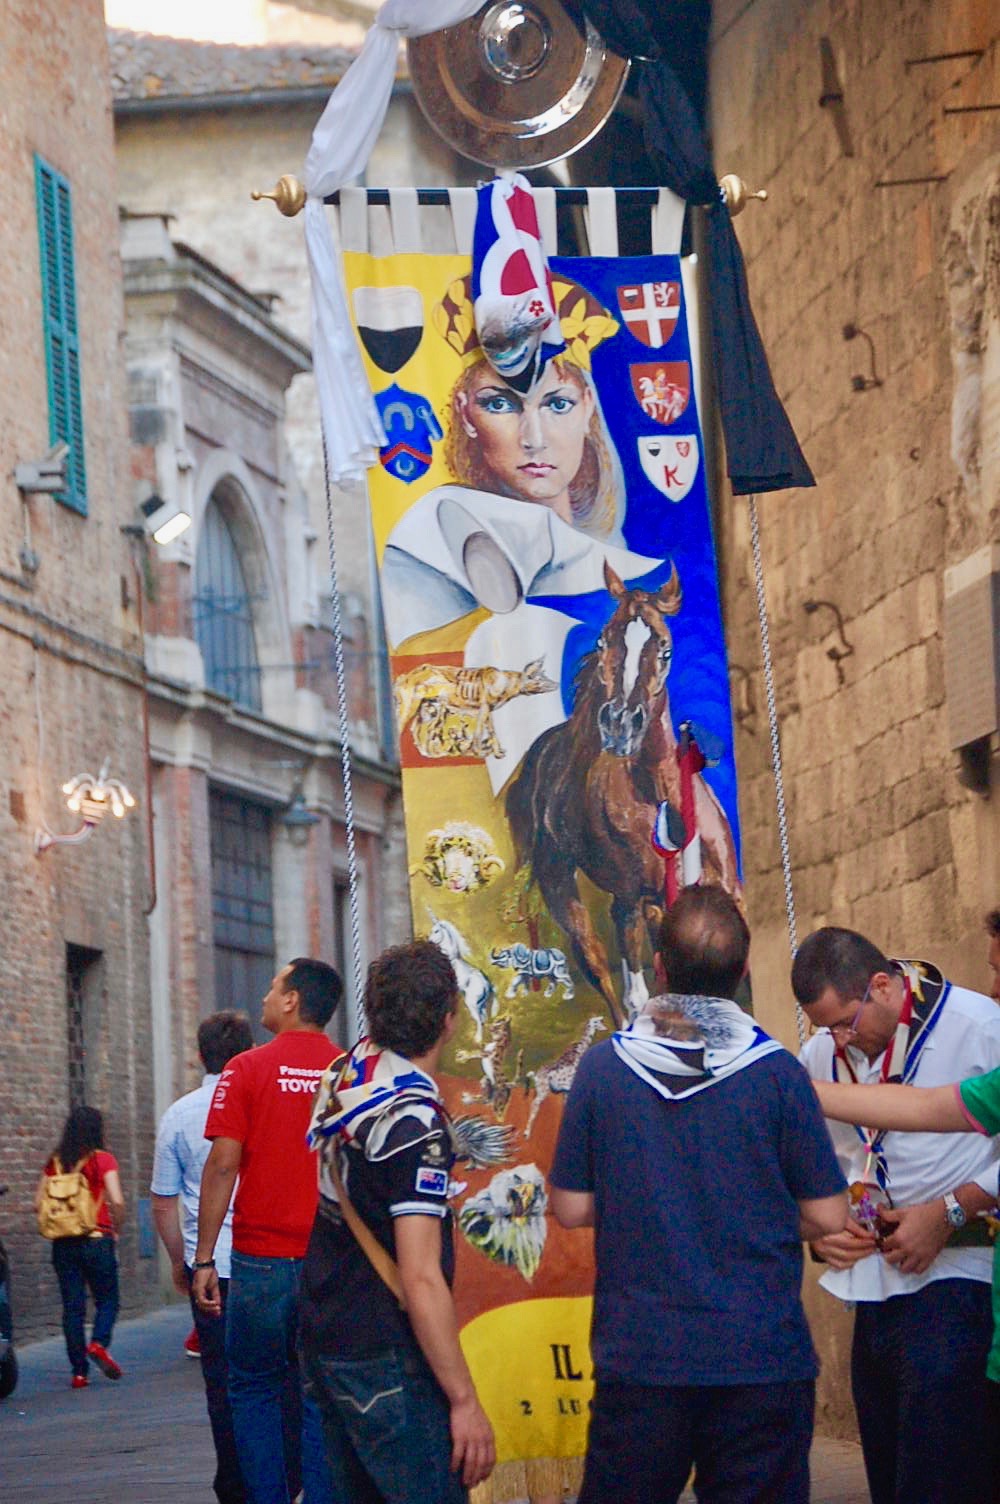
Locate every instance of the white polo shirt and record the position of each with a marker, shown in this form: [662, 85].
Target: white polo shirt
[181, 1152]
[922, 1166]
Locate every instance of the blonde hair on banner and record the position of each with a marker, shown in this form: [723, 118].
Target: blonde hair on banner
[585, 323]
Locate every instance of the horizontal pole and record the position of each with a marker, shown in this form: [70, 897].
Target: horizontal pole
[969, 109]
[439, 197]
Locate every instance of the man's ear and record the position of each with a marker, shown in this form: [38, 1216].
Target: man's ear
[659, 970]
[290, 1000]
[449, 1026]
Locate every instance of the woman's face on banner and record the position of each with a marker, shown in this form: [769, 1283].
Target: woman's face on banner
[533, 444]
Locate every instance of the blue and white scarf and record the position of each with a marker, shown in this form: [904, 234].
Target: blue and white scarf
[681, 1044]
[361, 1099]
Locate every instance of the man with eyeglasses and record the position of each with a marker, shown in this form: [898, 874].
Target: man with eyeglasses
[914, 1259]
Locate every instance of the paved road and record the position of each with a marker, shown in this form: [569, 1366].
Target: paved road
[145, 1440]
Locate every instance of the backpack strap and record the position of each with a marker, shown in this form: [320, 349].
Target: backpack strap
[384, 1264]
[98, 1199]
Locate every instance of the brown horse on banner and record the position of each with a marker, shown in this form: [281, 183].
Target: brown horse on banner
[586, 796]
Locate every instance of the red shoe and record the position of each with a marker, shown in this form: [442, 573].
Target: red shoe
[79, 1381]
[192, 1343]
[104, 1361]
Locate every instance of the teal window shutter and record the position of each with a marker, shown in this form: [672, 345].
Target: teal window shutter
[62, 344]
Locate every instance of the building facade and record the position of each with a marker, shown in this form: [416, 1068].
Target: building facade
[249, 831]
[75, 1024]
[874, 275]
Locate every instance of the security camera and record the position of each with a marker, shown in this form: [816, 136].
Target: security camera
[45, 476]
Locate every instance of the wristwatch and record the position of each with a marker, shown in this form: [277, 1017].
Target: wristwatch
[953, 1211]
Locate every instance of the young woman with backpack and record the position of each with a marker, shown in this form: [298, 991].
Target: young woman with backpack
[80, 1208]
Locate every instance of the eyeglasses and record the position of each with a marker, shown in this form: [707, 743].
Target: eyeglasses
[847, 1027]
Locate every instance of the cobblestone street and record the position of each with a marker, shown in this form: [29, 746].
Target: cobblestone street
[146, 1440]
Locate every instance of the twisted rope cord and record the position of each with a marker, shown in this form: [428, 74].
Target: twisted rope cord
[345, 757]
[772, 723]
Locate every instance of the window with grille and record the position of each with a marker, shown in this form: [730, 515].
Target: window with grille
[242, 905]
[62, 344]
[223, 616]
[81, 980]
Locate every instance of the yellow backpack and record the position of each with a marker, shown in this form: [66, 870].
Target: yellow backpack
[66, 1206]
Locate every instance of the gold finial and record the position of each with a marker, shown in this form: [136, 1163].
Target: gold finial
[736, 193]
[288, 193]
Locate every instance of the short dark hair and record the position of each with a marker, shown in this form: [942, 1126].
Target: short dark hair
[319, 988]
[221, 1036]
[704, 943]
[411, 989]
[837, 958]
[992, 922]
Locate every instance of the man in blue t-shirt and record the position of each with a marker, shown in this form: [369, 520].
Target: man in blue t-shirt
[692, 1144]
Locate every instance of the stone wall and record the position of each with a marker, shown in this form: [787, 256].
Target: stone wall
[884, 837]
[70, 690]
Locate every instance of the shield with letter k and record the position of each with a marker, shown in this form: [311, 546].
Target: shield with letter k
[670, 462]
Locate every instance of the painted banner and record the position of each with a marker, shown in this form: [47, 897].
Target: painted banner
[549, 589]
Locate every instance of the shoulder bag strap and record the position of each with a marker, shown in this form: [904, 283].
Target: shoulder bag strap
[384, 1265]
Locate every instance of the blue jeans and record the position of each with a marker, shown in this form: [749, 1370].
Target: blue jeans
[277, 1433]
[386, 1423]
[82, 1264]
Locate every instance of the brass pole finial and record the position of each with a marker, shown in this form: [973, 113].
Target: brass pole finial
[736, 193]
[288, 193]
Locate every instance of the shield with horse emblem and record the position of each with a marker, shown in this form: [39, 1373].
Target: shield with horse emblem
[670, 462]
[662, 389]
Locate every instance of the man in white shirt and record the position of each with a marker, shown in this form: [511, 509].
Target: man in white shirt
[181, 1152]
[914, 1259]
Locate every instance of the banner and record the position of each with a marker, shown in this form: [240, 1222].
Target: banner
[549, 589]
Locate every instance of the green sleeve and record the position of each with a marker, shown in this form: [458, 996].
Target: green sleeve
[981, 1099]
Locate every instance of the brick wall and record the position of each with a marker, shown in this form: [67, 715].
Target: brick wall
[70, 690]
[884, 838]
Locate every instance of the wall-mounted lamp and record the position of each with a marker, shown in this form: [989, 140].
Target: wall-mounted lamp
[861, 383]
[90, 798]
[45, 476]
[297, 819]
[163, 519]
[837, 651]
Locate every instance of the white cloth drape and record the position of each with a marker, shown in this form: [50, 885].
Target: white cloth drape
[341, 146]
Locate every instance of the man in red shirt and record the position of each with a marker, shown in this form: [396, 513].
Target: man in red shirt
[258, 1120]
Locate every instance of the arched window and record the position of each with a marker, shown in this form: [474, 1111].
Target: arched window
[223, 618]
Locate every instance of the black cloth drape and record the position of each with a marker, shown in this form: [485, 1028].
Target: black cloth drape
[762, 452]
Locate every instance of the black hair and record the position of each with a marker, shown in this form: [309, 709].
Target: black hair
[411, 989]
[992, 923]
[319, 988]
[221, 1036]
[83, 1132]
[837, 958]
[704, 943]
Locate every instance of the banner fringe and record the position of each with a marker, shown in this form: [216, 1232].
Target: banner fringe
[516, 1482]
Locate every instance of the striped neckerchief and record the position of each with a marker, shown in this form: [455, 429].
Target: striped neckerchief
[926, 993]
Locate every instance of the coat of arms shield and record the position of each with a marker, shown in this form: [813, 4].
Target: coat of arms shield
[650, 310]
[670, 462]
